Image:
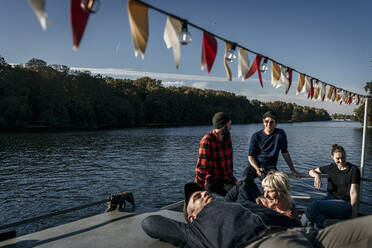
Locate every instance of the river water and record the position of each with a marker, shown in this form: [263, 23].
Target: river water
[45, 172]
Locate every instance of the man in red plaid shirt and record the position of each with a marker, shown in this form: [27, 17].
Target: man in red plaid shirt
[214, 169]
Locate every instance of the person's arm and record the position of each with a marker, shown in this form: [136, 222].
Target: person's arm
[203, 168]
[289, 162]
[253, 163]
[165, 229]
[315, 173]
[354, 199]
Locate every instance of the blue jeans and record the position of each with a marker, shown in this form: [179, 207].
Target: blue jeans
[328, 208]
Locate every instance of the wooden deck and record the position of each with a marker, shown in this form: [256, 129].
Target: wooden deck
[113, 229]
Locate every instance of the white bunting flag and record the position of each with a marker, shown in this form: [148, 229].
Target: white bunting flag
[243, 63]
[39, 8]
[172, 31]
[322, 92]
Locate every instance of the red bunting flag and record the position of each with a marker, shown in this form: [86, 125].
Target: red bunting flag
[209, 51]
[311, 91]
[255, 67]
[79, 19]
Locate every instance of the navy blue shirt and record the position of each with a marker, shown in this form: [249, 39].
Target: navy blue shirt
[265, 148]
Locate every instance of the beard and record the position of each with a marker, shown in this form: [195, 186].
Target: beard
[225, 134]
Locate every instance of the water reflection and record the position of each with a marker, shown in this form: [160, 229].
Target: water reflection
[45, 172]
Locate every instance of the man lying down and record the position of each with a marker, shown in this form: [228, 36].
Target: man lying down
[218, 223]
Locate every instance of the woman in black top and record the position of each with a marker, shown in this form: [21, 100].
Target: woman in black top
[343, 190]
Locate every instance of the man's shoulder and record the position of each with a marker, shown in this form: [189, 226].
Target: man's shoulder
[258, 133]
[209, 137]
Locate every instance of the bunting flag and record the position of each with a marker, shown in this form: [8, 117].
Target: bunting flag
[322, 92]
[335, 95]
[289, 71]
[343, 96]
[227, 68]
[362, 100]
[209, 51]
[243, 63]
[79, 20]
[311, 91]
[275, 75]
[307, 86]
[330, 92]
[301, 82]
[139, 27]
[316, 90]
[279, 77]
[255, 67]
[172, 31]
[39, 8]
[357, 100]
[350, 98]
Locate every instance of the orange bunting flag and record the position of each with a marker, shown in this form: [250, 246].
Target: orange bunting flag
[301, 82]
[209, 51]
[139, 27]
[172, 31]
[255, 67]
[243, 63]
[79, 20]
[322, 92]
[330, 92]
[280, 75]
[316, 90]
[227, 68]
[39, 8]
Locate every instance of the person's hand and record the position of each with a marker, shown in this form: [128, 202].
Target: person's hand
[296, 174]
[259, 173]
[317, 182]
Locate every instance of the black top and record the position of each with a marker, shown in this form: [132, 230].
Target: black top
[339, 181]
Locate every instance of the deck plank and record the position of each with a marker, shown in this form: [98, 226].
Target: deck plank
[113, 229]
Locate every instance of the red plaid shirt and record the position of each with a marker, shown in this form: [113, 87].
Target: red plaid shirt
[215, 160]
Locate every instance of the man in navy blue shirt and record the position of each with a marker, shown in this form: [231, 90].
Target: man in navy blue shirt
[264, 152]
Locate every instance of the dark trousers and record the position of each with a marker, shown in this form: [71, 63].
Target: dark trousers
[220, 187]
[250, 174]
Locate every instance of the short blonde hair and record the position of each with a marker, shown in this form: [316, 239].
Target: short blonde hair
[278, 181]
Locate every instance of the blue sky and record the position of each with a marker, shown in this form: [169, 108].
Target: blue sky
[330, 40]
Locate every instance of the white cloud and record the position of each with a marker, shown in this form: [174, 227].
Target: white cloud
[173, 83]
[200, 85]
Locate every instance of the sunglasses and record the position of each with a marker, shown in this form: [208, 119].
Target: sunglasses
[270, 122]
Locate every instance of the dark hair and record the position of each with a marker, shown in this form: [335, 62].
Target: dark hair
[270, 114]
[337, 148]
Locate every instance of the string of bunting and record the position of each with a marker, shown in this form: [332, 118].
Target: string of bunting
[176, 34]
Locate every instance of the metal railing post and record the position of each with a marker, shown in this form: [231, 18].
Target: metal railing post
[365, 123]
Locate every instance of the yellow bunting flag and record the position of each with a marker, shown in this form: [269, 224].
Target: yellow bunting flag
[39, 8]
[301, 82]
[243, 63]
[172, 31]
[275, 75]
[307, 85]
[227, 68]
[316, 90]
[330, 91]
[138, 20]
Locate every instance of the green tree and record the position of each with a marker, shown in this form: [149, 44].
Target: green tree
[359, 112]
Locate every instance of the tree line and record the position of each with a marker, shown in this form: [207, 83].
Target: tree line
[40, 95]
